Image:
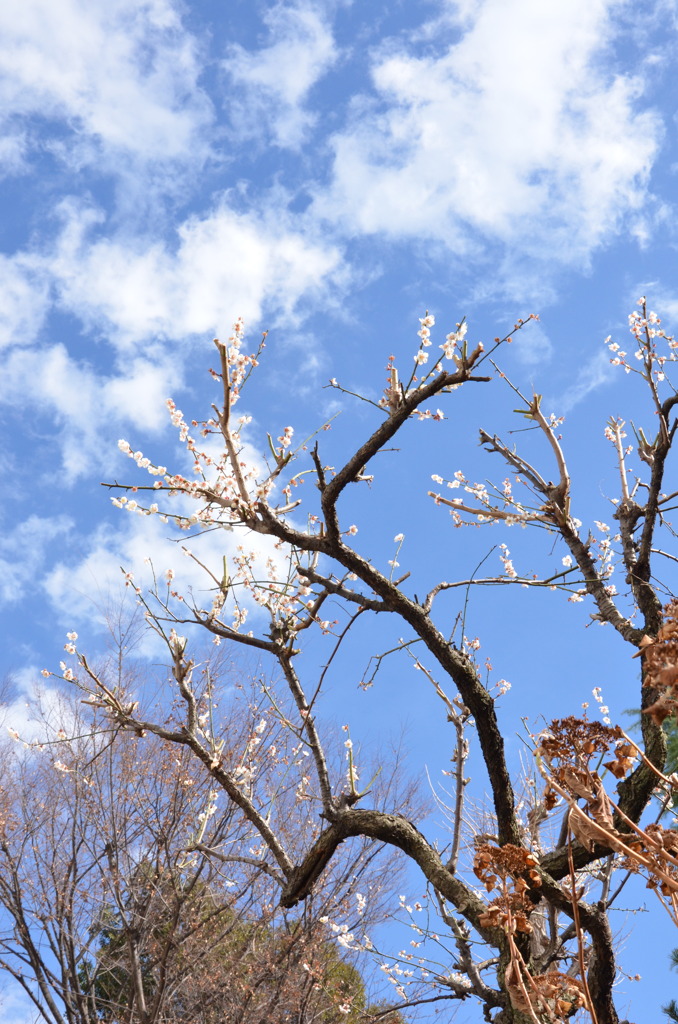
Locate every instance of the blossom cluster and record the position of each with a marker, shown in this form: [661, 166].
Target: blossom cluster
[505, 558]
[495, 505]
[646, 330]
[603, 708]
[454, 348]
[226, 484]
[239, 363]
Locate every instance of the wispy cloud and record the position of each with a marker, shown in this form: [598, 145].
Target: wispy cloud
[272, 83]
[592, 375]
[24, 299]
[22, 552]
[532, 346]
[83, 405]
[89, 579]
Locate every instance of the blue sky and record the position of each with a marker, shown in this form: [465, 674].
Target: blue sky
[328, 171]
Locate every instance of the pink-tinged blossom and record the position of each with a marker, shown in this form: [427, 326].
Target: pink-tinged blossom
[285, 438]
[506, 561]
[458, 335]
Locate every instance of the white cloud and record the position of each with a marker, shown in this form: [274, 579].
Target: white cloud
[273, 83]
[91, 577]
[148, 300]
[121, 74]
[517, 134]
[24, 300]
[22, 553]
[84, 405]
[22, 713]
[225, 264]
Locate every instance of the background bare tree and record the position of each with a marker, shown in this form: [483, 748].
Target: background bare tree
[127, 895]
[547, 946]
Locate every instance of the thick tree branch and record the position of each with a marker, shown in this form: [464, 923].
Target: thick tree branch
[394, 830]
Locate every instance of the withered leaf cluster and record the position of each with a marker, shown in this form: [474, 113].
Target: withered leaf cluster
[512, 870]
[661, 667]
[555, 996]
